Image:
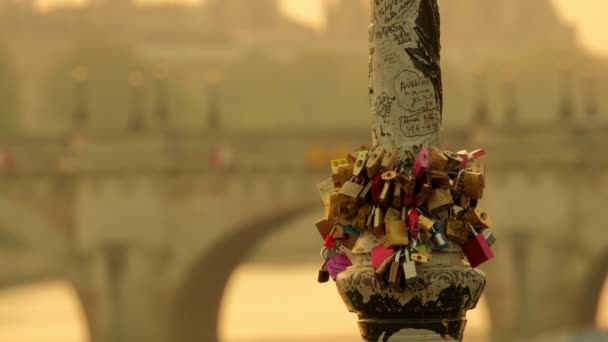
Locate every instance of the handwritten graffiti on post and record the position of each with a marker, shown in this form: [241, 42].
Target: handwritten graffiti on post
[420, 124]
[417, 95]
[390, 12]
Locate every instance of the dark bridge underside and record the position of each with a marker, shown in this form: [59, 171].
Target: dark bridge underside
[198, 302]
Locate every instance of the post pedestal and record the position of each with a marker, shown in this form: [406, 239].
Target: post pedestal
[434, 312]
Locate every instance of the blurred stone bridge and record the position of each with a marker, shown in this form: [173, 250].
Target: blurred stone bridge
[151, 223]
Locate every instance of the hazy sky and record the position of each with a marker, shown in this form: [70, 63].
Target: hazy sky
[589, 15]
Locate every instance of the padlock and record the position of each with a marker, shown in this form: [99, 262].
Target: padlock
[440, 199]
[439, 179]
[350, 230]
[490, 238]
[457, 230]
[370, 219]
[437, 159]
[424, 251]
[477, 154]
[426, 224]
[360, 163]
[423, 194]
[409, 272]
[329, 241]
[419, 258]
[397, 199]
[394, 275]
[408, 185]
[425, 236]
[478, 218]
[478, 167]
[421, 163]
[366, 190]
[389, 175]
[464, 155]
[441, 241]
[454, 161]
[377, 187]
[337, 264]
[374, 161]
[385, 196]
[464, 201]
[414, 223]
[378, 218]
[325, 227]
[351, 189]
[473, 184]
[323, 276]
[477, 249]
[382, 269]
[360, 221]
[353, 156]
[340, 171]
[389, 159]
[338, 233]
[379, 254]
[396, 233]
[333, 203]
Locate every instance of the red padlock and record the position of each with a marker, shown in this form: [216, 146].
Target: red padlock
[477, 249]
[414, 223]
[377, 185]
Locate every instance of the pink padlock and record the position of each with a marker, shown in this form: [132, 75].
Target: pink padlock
[477, 154]
[477, 249]
[379, 254]
[422, 161]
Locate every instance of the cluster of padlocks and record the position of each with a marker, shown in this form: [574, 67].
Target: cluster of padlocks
[414, 205]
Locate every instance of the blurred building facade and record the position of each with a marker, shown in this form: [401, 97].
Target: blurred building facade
[140, 216]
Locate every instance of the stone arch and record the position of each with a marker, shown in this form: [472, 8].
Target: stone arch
[198, 301]
[595, 283]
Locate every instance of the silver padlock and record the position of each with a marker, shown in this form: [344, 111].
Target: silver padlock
[409, 271]
[487, 234]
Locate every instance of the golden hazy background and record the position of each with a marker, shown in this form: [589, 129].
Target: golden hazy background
[51, 312]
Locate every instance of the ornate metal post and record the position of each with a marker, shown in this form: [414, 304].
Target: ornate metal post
[406, 99]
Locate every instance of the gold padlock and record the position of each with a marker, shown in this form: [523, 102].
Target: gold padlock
[336, 173]
[359, 164]
[408, 183]
[478, 218]
[439, 179]
[392, 214]
[440, 199]
[373, 161]
[423, 194]
[454, 161]
[360, 221]
[390, 159]
[378, 228]
[385, 195]
[417, 257]
[425, 236]
[473, 184]
[389, 175]
[345, 172]
[456, 230]
[437, 159]
[396, 234]
[325, 226]
[397, 199]
[351, 189]
[464, 201]
[332, 202]
[426, 224]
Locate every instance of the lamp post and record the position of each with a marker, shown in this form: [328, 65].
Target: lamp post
[136, 82]
[407, 102]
